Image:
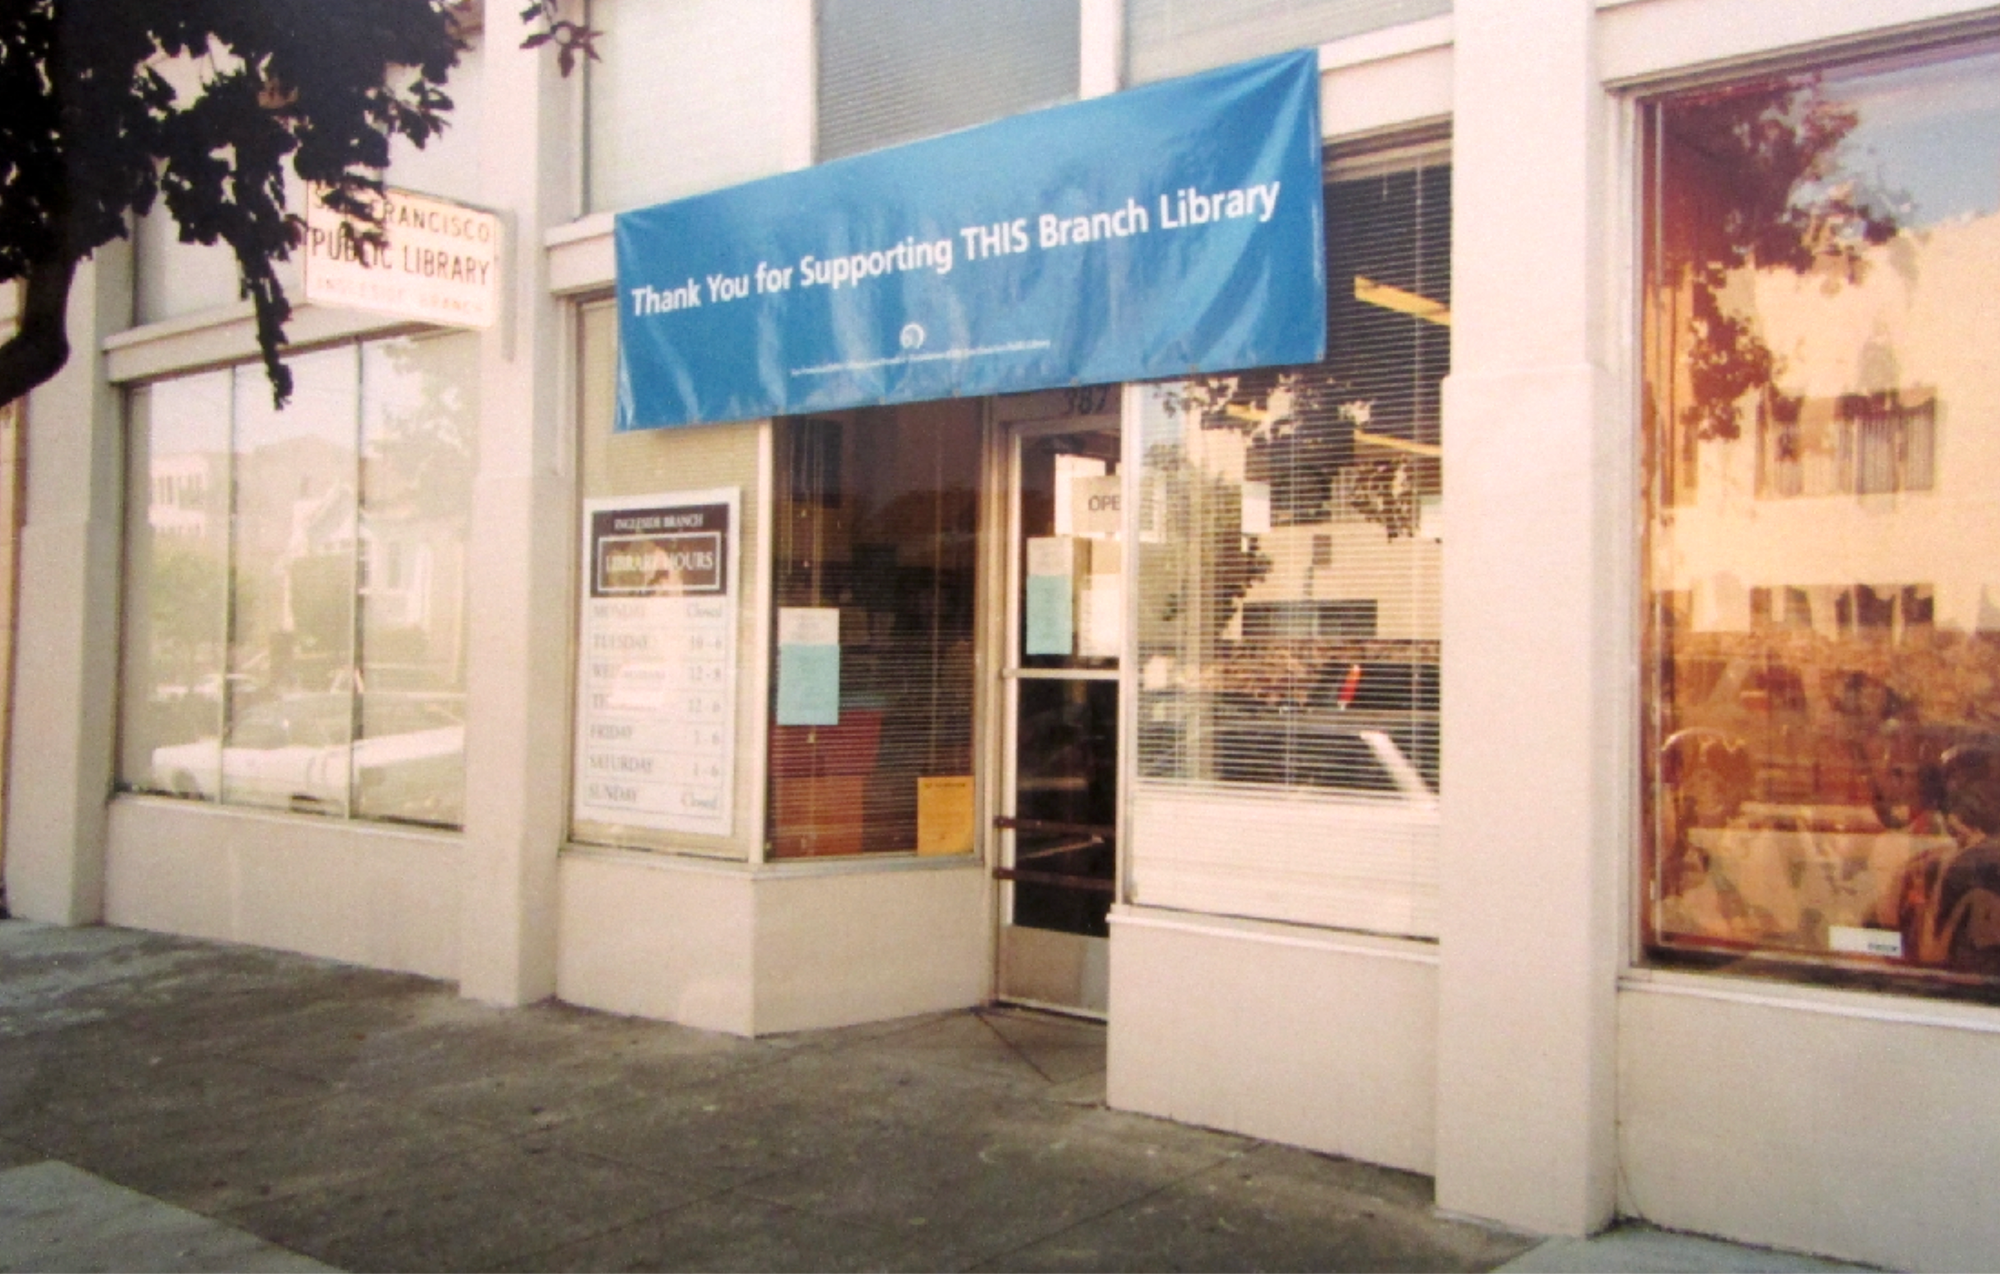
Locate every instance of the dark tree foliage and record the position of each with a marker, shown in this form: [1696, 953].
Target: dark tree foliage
[1755, 177]
[547, 26]
[92, 132]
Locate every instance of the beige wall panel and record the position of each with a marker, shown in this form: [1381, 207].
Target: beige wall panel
[1406, 87]
[11, 476]
[1856, 1126]
[1317, 1039]
[1642, 38]
[657, 937]
[861, 946]
[59, 761]
[724, 948]
[370, 895]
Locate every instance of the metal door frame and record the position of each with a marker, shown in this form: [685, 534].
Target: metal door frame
[1007, 431]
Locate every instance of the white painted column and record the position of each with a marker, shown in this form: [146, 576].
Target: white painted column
[517, 716]
[1535, 586]
[1101, 41]
[797, 61]
[66, 668]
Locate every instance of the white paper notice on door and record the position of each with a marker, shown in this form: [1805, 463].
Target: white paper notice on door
[1256, 508]
[1100, 617]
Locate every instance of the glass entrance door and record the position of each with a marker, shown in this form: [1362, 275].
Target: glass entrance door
[1057, 825]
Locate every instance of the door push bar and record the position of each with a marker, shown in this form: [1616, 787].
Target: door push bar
[1086, 836]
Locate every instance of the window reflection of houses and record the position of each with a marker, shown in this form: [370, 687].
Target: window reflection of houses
[1857, 444]
[190, 497]
[1863, 476]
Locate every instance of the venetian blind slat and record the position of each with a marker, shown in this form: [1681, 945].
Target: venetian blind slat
[1165, 38]
[1290, 551]
[893, 71]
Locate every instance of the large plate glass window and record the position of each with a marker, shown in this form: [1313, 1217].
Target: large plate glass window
[295, 584]
[1822, 557]
[873, 573]
[1289, 546]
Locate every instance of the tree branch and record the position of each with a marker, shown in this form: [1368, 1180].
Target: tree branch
[40, 346]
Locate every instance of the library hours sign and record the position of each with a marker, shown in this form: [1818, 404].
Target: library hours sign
[656, 683]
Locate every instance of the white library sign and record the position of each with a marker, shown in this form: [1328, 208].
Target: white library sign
[656, 689]
[439, 262]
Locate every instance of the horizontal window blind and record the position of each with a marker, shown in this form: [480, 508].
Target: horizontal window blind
[876, 520]
[1290, 545]
[687, 98]
[1165, 38]
[893, 71]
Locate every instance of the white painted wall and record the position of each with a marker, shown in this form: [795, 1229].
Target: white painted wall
[1535, 760]
[1386, 80]
[523, 507]
[754, 951]
[659, 936]
[371, 894]
[1306, 1036]
[867, 945]
[66, 668]
[1853, 1125]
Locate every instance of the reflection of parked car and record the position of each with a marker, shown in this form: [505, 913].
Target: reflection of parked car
[295, 753]
[1835, 737]
[1382, 754]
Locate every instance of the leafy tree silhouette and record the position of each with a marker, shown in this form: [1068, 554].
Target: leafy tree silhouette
[1750, 177]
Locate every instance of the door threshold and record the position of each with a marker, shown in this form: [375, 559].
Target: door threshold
[1101, 1017]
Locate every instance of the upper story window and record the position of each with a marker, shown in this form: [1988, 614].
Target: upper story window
[1822, 461]
[1165, 38]
[690, 96]
[893, 71]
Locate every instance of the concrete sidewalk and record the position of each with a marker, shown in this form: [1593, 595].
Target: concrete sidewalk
[170, 1104]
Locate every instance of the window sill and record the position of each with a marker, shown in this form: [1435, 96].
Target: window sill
[228, 334]
[782, 869]
[1876, 1006]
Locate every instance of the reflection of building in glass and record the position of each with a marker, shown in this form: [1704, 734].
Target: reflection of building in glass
[1849, 476]
[1827, 439]
[297, 599]
[190, 495]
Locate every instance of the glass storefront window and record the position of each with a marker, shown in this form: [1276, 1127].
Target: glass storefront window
[1822, 476]
[419, 427]
[1290, 543]
[295, 584]
[1289, 556]
[875, 529]
[291, 594]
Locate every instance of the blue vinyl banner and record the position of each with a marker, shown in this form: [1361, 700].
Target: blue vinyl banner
[1163, 231]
